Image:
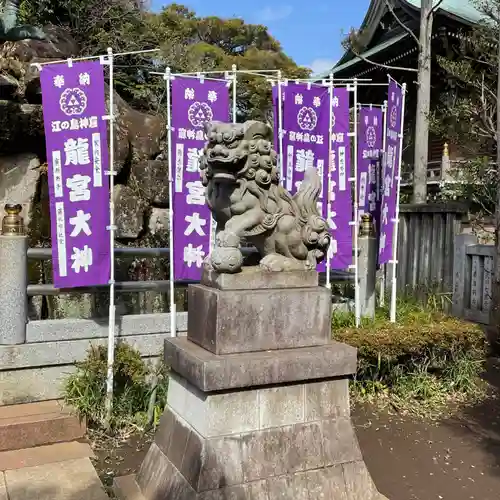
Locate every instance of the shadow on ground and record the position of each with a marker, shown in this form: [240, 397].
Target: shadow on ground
[482, 420]
[457, 458]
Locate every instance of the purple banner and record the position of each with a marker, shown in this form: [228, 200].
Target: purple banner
[390, 171]
[340, 213]
[194, 102]
[370, 131]
[305, 141]
[74, 105]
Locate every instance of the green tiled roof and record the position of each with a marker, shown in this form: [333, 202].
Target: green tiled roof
[464, 9]
[368, 53]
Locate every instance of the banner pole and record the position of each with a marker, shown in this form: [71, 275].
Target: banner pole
[380, 181]
[111, 319]
[396, 219]
[280, 128]
[329, 178]
[235, 79]
[173, 313]
[357, 308]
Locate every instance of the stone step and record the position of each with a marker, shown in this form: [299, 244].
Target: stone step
[36, 424]
[43, 455]
[68, 480]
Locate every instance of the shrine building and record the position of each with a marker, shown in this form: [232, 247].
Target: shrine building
[385, 41]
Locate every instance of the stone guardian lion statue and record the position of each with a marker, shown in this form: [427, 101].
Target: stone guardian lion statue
[243, 191]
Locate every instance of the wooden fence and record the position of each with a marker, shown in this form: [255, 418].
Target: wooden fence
[426, 246]
[472, 279]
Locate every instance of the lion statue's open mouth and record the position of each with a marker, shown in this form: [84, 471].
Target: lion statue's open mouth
[220, 175]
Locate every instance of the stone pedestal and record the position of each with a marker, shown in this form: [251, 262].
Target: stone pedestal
[368, 246]
[13, 283]
[263, 421]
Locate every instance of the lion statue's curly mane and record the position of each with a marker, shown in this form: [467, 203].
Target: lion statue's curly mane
[243, 191]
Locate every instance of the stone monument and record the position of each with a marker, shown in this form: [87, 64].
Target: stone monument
[9, 28]
[258, 402]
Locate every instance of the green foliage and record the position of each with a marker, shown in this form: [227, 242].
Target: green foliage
[189, 43]
[419, 364]
[96, 25]
[473, 180]
[134, 384]
[211, 43]
[467, 112]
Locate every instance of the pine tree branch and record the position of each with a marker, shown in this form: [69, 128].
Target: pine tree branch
[402, 24]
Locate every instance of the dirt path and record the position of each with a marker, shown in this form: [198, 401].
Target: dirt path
[454, 459]
[412, 460]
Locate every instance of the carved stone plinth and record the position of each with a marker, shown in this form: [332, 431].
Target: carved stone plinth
[235, 321]
[263, 425]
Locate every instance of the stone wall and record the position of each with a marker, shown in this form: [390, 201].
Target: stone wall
[141, 195]
[35, 370]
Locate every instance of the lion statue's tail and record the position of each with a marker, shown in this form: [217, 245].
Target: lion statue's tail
[315, 232]
[307, 196]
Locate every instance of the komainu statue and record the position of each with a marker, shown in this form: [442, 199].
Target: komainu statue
[239, 169]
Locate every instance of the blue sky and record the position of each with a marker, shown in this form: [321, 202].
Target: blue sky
[310, 31]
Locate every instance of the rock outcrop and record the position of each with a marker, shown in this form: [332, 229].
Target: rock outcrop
[142, 181]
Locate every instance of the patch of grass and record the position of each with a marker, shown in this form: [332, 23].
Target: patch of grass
[421, 364]
[140, 390]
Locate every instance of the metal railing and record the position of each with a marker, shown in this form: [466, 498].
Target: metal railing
[120, 286]
[13, 224]
[136, 286]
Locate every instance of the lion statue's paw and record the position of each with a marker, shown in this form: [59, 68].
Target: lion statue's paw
[227, 239]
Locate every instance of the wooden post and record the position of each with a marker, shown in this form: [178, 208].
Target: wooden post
[460, 271]
[423, 104]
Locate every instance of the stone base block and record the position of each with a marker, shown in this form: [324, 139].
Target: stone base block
[298, 443]
[213, 414]
[212, 372]
[236, 321]
[126, 488]
[255, 278]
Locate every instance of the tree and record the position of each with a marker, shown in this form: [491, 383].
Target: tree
[467, 113]
[96, 25]
[421, 143]
[212, 43]
[188, 43]
[470, 115]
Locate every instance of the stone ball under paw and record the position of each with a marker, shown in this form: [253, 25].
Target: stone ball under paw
[226, 259]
